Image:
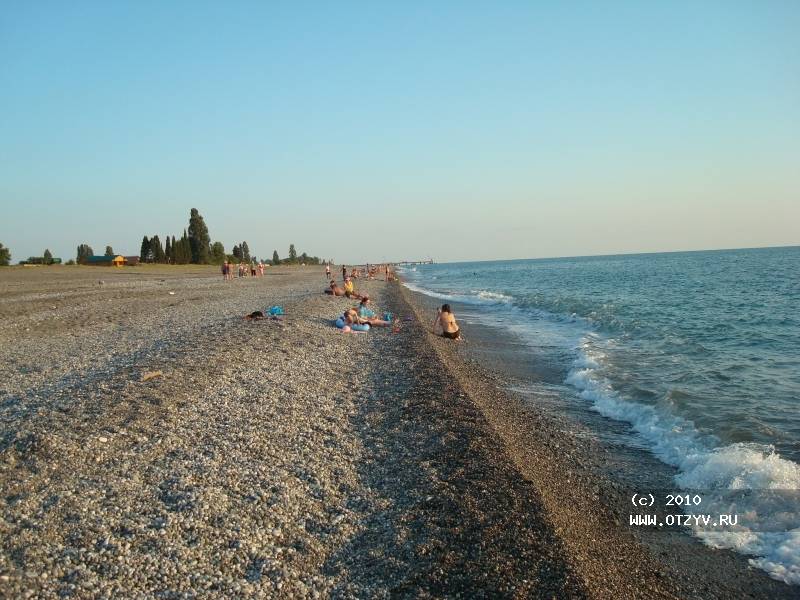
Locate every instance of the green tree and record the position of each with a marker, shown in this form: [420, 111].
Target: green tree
[144, 253]
[179, 250]
[304, 258]
[184, 250]
[199, 239]
[276, 260]
[110, 251]
[292, 254]
[245, 252]
[48, 257]
[237, 253]
[217, 253]
[5, 256]
[84, 252]
[168, 251]
[157, 249]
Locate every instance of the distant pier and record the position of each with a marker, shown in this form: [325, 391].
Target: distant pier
[403, 263]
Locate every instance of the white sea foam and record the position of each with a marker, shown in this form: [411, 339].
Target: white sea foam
[493, 297]
[485, 297]
[431, 293]
[771, 529]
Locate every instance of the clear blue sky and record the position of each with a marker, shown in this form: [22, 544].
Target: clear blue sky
[363, 131]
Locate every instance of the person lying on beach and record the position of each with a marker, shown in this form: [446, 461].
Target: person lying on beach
[335, 290]
[351, 317]
[447, 321]
[349, 323]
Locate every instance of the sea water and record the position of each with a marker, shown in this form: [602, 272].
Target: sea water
[696, 353]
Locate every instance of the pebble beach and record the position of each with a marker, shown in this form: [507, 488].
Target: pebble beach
[154, 444]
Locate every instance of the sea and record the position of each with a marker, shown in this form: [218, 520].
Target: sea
[689, 358]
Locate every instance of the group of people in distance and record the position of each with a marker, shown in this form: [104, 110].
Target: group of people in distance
[362, 316]
[243, 269]
[370, 272]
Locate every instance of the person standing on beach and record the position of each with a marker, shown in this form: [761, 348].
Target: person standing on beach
[344, 272]
[327, 271]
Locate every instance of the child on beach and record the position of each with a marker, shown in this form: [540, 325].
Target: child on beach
[447, 321]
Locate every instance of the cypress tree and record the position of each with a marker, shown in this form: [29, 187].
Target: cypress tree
[199, 239]
[157, 249]
[5, 256]
[109, 251]
[292, 254]
[245, 252]
[185, 249]
[168, 251]
[276, 260]
[144, 253]
[177, 251]
[48, 256]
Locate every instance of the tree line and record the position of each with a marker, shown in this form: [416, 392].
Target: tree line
[45, 259]
[193, 247]
[294, 259]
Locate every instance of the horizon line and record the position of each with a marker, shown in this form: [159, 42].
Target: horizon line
[452, 262]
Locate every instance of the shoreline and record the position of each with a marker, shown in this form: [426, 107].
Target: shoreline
[586, 503]
[284, 458]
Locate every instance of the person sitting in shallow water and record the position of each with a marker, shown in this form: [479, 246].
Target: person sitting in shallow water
[334, 289]
[447, 321]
